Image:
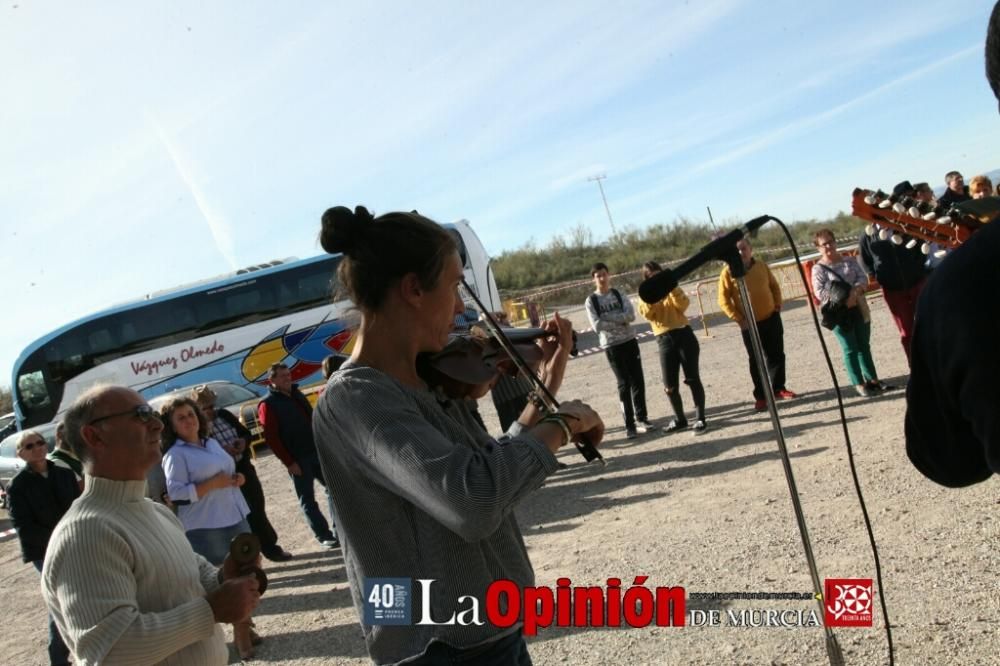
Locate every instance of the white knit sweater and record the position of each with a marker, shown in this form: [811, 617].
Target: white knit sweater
[124, 586]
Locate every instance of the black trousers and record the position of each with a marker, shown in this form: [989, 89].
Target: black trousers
[772, 338]
[627, 366]
[510, 397]
[253, 493]
[679, 348]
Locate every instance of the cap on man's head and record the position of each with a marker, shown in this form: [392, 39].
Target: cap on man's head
[203, 395]
[902, 189]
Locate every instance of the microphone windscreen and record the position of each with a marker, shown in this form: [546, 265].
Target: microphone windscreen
[656, 287]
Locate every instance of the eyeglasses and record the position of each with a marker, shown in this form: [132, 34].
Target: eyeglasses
[144, 413]
[30, 445]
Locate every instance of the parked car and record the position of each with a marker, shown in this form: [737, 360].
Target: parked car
[239, 400]
[8, 425]
[10, 464]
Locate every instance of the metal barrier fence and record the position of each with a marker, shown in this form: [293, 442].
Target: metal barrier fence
[527, 311]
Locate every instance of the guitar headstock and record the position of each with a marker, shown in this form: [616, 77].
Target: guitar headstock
[948, 226]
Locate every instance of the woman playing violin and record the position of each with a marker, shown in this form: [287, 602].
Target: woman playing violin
[418, 493]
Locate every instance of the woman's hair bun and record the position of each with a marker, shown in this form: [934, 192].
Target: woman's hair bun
[342, 228]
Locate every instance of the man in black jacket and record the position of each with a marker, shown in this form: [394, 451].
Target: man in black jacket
[286, 417]
[957, 191]
[233, 436]
[39, 496]
[952, 420]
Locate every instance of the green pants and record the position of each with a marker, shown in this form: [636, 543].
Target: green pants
[857, 352]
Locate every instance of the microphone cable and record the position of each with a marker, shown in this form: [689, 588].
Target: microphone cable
[847, 438]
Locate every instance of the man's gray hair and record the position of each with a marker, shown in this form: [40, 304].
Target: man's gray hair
[79, 414]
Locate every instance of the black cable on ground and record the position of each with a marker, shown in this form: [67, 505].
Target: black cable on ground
[847, 439]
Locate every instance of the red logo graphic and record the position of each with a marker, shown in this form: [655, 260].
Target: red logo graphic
[848, 602]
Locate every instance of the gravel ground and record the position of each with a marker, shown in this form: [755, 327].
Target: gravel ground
[710, 513]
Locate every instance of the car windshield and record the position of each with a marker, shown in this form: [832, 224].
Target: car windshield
[227, 395]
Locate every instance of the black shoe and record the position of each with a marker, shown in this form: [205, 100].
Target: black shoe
[279, 554]
[676, 425]
[331, 543]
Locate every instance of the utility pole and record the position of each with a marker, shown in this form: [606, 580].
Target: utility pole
[598, 178]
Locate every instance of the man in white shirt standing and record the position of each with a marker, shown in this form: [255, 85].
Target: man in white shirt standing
[120, 577]
[611, 316]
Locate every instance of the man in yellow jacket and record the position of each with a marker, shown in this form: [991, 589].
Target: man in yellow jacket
[765, 298]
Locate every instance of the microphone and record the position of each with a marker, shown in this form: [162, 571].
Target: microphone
[656, 288]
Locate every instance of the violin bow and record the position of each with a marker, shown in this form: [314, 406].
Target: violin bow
[547, 401]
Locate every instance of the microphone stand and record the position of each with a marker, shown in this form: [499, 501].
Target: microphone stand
[735, 263]
[657, 287]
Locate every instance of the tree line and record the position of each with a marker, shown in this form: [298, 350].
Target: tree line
[567, 258]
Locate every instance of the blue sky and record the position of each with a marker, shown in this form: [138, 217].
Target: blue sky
[149, 144]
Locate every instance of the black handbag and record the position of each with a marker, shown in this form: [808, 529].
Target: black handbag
[834, 310]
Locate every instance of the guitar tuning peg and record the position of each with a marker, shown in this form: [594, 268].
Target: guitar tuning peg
[940, 253]
[910, 244]
[944, 220]
[885, 203]
[930, 216]
[925, 248]
[897, 239]
[884, 234]
[914, 212]
[899, 208]
[871, 199]
[870, 229]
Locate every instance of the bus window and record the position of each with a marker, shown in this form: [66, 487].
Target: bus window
[128, 334]
[315, 289]
[100, 341]
[32, 391]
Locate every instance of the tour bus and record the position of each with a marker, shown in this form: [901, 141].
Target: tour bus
[230, 329]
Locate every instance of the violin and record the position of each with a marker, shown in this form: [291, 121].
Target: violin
[540, 394]
[470, 361]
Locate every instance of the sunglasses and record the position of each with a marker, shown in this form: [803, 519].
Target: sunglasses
[144, 413]
[30, 445]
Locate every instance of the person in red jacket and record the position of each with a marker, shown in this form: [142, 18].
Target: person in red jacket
[286, 417]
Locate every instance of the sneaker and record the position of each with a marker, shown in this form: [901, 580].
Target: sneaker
[699, 427]
[642, 427]
[330, 543]
[760, 405]
[675, 425]
[878, 386]
[279, 554]
[865, 391]
[630, 433]
[785, 394]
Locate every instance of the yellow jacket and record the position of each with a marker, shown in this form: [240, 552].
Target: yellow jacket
[668, 314]
[765, 293]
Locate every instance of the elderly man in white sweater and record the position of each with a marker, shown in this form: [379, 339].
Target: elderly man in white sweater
[120, 577]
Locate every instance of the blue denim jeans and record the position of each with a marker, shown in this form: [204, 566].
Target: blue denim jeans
[305, 491]
[58, 652]
[511, 650]
[213, 543]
